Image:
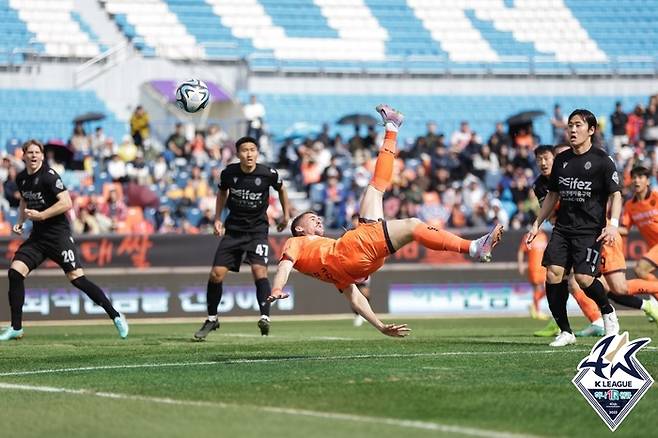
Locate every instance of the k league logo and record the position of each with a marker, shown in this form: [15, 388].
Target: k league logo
[612, 379]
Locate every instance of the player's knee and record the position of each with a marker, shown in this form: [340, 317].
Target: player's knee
[553, 276]
[216, 275]
[259, 271]
[583, 281]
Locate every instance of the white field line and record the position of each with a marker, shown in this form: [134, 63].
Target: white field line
[284, 359]
[409, 424]
[310, 338]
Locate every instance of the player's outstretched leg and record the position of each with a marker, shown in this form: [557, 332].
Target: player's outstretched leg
[403, 231]
[93, 291]
[16, 301]
[371, 207]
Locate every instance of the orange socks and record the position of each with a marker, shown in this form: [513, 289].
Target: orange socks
[440, 240]
[537, 295]
[587, 305]
[384, 165]
[639, 286]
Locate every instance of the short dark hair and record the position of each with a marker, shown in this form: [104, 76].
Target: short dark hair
[640, 170]
[244, 140]
[586, 115]
[31, 142]
[296, 222]
[543, 149]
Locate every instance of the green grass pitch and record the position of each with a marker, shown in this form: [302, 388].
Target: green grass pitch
[483, 377]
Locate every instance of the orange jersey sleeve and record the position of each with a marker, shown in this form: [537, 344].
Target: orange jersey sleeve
[291, 249]
[644, 215]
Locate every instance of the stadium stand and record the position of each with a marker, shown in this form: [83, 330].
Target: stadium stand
[448, 110]
[53, 25]
[15, 38]
[49, 114]
[162, 32]
[157, 190]
[419, 36]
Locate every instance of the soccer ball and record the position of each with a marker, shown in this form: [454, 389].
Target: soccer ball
[192, 95]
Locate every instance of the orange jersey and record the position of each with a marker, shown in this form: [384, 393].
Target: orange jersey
[344, 261]
[643, 214]
[535, 251]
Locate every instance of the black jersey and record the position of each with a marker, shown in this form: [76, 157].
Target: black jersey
[540, 187]
[39, 191]
[248, 196]
[584, 183]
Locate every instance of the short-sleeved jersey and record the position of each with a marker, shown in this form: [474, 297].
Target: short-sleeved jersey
[584, 183]
[643, 214]
[536, 250]
[39, 191]
[248, 196]
[317, 256]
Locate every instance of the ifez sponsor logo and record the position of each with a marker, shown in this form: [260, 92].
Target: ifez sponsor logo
[612, 379]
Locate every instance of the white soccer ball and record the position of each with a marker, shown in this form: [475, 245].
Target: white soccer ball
[192, 95]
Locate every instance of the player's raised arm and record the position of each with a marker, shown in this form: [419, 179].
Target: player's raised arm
[62, 205]
[361, 306]
[280, 280]
[285, 208]
[547, 208]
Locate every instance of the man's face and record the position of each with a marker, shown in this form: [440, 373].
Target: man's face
[248, 154]
[312, 225]
[579, 131]
[545, 162]
[640, 183]
[33, 157]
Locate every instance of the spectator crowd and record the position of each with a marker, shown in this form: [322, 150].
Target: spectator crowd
[456, 180]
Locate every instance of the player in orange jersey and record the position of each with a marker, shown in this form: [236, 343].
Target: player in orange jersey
[642, 211]
[536, 272]
[362, 251]
[613, 277]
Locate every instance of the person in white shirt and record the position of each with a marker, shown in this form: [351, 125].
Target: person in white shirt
[254, 112]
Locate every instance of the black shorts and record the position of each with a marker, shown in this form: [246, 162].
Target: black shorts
[60, 249]
[582, 253]
[234, 245]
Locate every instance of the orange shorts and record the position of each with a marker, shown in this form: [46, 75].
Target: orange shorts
[612, 258]
[652, 255]
[363, 250]
[537, 275]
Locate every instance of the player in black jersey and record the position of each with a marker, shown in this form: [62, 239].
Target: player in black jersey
[244, 189]
[44, 201]
[584, 179]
